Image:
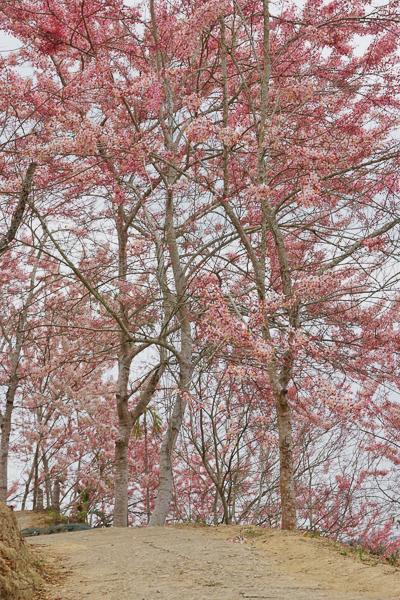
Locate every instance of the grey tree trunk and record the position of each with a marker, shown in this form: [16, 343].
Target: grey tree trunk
[125, 359]
[47, 481]
[180, 304]
[5, 436]
[287, 485]
[164, 495]
[121, 476]
[28, 483]
[122, 442]
[36, 486]
[56, 496]
[39, 504]
[126, 420]
[146, 469]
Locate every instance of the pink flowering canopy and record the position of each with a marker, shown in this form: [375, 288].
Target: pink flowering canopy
[206, 255]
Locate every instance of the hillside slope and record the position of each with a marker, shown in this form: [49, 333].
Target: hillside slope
[191, 562]
[19, 578]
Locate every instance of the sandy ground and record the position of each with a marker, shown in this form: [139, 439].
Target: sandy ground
[190, 562]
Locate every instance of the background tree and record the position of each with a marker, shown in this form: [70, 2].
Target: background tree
[20, 288]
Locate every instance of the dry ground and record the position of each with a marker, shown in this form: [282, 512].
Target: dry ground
[19, 577]
[191, 562]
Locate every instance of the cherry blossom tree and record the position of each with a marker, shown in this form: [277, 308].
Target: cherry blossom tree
[309, 209]
[241, 157]
[20, 287]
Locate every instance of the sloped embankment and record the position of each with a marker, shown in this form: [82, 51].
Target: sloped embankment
[19, 578]
[189, 562]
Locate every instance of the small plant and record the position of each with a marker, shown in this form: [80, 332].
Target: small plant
[344, 551]
[38, 562]
[394, 558]
[312, 532]
[360, 553]
[252, 532]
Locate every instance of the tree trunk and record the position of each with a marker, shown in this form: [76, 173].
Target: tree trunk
[28, 483]
[36, 485]
[121, 476]
[287, 487]
[124, 366]
[56, 496]
[146, 455]
[126, 420]
[122, 441]
[215, 508]
[40, 504]
[47, 481]
[5, 436]
[164, 495]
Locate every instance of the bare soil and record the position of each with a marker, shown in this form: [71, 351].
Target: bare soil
[192, 562]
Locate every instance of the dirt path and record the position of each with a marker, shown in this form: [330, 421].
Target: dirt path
[195, 563]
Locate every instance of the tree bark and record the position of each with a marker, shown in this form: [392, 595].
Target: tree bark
[36, 485]
[125, 359]
[28, 483]
[146, 469]
[56, 496]
[286, 480]
[122, 441]
[40, 504]
[164, 495]
[47, 481]
[5, 436]
[121, 476]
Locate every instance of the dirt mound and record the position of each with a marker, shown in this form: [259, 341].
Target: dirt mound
[192, 562]
[19, 578]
